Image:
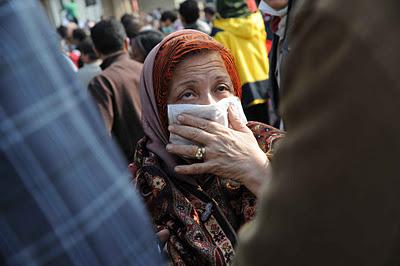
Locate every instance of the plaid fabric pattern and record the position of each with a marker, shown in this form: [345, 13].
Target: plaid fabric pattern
[65, 197]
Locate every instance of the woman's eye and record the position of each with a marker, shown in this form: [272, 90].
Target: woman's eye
[223, 88]
[187, 95]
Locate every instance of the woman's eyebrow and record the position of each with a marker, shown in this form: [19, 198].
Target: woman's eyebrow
[222, 77]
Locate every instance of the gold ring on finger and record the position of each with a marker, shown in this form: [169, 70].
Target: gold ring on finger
[200, 153]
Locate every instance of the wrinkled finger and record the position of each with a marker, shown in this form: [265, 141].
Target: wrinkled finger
[201, 123]
[191, 133]
[188, 151]
[195, 169]
[235, 121]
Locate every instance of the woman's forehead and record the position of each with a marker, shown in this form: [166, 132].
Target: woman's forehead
[200, 58]
[204, 63]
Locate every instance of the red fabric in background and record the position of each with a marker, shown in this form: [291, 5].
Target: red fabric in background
[251, 4]
[74, 56]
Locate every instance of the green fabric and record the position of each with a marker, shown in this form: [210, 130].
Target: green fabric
[72, 8]
[232, 8]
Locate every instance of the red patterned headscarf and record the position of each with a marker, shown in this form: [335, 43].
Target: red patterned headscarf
[158, 71]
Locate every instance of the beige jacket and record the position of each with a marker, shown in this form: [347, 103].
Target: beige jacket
[335, 195]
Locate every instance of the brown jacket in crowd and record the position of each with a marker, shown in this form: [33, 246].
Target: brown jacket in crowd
[116, 92]
[334, 198]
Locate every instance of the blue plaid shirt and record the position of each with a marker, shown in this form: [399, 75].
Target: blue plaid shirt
[65, 195]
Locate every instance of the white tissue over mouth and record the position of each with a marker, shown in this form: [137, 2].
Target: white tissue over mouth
[217, 112]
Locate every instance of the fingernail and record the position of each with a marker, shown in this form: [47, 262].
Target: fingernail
[180, 118]
[168, 147]
[170, 128]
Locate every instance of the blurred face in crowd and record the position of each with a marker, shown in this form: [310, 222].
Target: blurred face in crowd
[277, 4]
[209, 16]
[166, 23]
[70, 29]
[200, 79]
[167, 26]
[86, 59]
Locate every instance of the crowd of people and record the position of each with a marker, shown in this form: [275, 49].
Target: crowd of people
[95, 49]
[236, 134]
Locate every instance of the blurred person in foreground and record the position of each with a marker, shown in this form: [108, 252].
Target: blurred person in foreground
[116, 89]
[241, 29]
[333, 195]
[189, 12]
[65, 197]
[143, 43]
[91, 62]
[204, 212]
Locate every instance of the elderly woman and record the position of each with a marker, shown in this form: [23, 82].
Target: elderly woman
[202, 212]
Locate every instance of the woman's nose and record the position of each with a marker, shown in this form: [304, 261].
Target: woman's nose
[208, 99]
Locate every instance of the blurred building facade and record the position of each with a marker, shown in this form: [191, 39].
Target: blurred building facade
[87, 10]
[96, 9]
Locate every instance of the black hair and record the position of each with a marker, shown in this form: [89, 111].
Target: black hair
[79, 34]
[62, 31]
[168, 14]
[126, 16]
[210, 10]
[132, 24]
[189, 11]
[108, 36]
[87, 48]
[147, 40]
